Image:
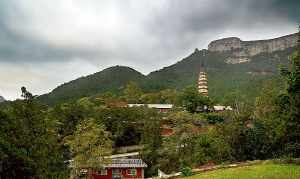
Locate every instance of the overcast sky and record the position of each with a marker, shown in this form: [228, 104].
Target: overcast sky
[44, 43]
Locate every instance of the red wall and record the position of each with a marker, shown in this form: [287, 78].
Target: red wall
[124, 174]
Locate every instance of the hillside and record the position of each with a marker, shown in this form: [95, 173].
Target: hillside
[224, 79]
[229, 73]
[111, 79]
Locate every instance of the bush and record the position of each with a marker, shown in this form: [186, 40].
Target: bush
[186, 171]
[213, 119]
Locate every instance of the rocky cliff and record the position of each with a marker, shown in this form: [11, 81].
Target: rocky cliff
[243, 50]
[251, 48]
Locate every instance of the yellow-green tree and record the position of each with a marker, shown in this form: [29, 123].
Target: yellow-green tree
[89, 145]
[132, 92]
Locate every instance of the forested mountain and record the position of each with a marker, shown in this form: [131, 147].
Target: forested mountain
[112, 79]
[224, 79]
[230, 73]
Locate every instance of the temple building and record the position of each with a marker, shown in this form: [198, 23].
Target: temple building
[202, 81]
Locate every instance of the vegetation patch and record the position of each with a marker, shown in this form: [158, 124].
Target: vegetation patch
[264, 171]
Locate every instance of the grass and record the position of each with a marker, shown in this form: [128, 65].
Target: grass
[260, 171]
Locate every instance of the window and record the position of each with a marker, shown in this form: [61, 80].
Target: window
[83, 171]
[102, 172]
[116, 172]
[131, 172]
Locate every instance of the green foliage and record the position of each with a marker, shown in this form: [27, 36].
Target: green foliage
[291, 104]
[151, 139]
[167, 96]
[265, 171]
[132, 93]
[112, 79]
[193, 101]
[186, 171]
[125, 124]
[89, 144]
[214, 118]
[29, 141]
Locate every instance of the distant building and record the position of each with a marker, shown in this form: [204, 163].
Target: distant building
[166, 130]
[222, 108]
[121, 169]
[160, 107]
[121, 166]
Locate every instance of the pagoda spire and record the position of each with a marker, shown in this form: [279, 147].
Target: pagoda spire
[202, 80]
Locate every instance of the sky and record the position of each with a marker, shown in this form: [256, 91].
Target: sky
[46, 43]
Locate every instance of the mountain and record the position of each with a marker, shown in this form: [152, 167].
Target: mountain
[233, 66]
[224, 79]
[111, 79]
[252, 48]
[2, 99]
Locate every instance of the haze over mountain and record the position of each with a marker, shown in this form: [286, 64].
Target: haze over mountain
[228, 72]
[50, 42]
[2, 99]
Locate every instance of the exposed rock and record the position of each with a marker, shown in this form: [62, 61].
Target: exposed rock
[261, 72]
[237, 60]
[250, 48]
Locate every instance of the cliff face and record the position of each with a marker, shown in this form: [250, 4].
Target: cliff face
[250, 48]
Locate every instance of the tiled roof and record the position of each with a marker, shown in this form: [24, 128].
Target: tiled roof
[126, 163]
[123, 155]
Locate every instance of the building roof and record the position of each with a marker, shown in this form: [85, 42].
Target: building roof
[222, 108]
[126, 163]
[131, 154]
[157, 106]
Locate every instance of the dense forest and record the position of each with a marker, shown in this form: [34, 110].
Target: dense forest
[41, 141]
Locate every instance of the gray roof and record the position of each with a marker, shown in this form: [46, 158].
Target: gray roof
[157, 106]
[126, 163]
[131, 154]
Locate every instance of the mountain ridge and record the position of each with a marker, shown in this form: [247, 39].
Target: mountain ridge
[224, 76]
[112, 79]
[254, 47]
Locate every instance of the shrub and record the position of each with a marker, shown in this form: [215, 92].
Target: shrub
[186, 171]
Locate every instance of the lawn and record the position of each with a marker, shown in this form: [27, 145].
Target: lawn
[264, 171]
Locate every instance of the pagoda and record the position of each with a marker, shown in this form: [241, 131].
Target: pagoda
[202, 80]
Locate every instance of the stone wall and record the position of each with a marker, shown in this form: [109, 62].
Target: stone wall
[251, 48]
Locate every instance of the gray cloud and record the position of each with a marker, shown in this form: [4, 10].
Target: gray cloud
[53, 41]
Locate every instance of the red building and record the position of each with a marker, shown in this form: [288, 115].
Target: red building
[122, 169]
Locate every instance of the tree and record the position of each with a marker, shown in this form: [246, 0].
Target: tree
[291, 102]
[151, 139]
[29, 141]
[267, 113]
[125, 124]
[89, 145]
[132, 92]
[193, 100]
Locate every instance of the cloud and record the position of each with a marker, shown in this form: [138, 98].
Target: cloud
[146, 35]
